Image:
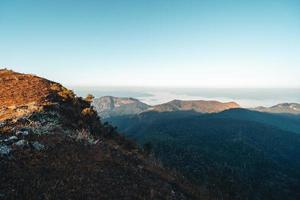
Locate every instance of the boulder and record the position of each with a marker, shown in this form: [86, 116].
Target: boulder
[21, 143]
[38, 146]
[4, 150]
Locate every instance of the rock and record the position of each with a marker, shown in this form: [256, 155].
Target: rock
[4, 150]
[2, 124]
[23, 120]
[23, 131]
[97, 141]
[90, 140]
[140, 167]
[10, 139]
[38, 146]
[13, 138]
[21, 143]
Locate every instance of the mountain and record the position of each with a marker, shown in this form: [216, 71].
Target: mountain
[109, 106]
[198, 106]
[234, 154]
[291, 108]
[287, 122]
[53, 146]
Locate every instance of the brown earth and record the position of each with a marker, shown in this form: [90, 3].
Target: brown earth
[25, 92]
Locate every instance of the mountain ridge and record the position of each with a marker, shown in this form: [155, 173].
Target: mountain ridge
[195, 105]
[109, 106]
[291, 108]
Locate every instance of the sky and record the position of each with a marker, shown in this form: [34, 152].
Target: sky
[159, 43]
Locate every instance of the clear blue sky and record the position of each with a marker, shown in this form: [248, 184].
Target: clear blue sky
[154, 42]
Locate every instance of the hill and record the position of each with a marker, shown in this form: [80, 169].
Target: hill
[197, 106]
[109, 106]
[234, 154]
[288, 122]
[53, 146]
[291, 108]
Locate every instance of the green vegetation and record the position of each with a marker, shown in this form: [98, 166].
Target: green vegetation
[231, 158]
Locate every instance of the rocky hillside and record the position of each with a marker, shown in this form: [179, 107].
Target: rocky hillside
[53, 146]
[291, 108]
[109, 106]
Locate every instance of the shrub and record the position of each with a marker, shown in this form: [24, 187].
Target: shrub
[89, 97]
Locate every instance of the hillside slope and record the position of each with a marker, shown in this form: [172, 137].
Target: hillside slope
[287, 122]
[53, 146]
[234, 157]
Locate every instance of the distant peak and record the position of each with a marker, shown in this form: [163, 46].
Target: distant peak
[108, 106]
[291, 108]
[195, 105]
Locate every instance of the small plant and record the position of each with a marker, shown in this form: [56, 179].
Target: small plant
[89, 98]
[83, 134]
[62, 91]
[88, 112]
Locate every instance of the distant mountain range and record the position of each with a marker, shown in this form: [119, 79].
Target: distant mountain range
[292, 108]
[109, 106]
[232, 152]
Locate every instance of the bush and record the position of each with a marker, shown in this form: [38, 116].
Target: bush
[89, 97]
